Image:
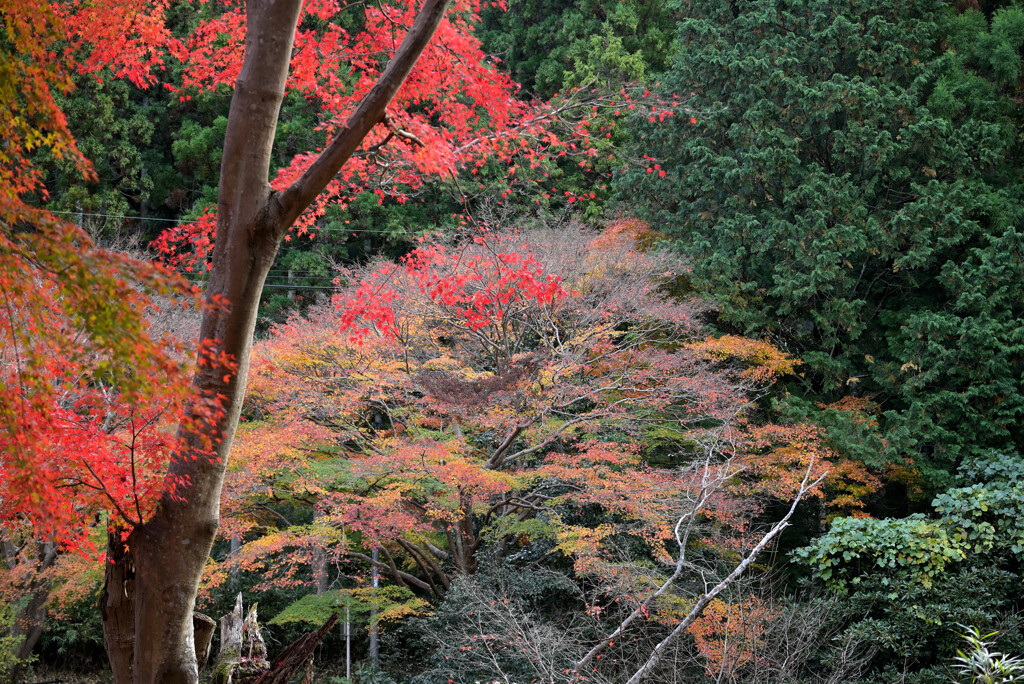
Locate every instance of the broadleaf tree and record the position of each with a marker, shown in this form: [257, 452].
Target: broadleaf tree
[513, 389]
[82, 424]
[154, 568]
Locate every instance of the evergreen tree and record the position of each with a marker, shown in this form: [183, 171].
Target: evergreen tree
[852, 192]
[549, 45]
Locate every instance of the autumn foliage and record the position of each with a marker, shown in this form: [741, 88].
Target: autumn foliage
[456, 112]
[502, 389]
[80, 352]
[82, 423]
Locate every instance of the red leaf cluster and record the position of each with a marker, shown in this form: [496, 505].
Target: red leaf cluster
[494, 389]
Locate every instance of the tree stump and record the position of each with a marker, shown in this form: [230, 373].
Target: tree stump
[243, 653]
[203, 628]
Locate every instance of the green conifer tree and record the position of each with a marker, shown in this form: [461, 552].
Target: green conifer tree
[852, 192]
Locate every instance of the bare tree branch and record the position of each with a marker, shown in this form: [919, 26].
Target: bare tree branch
[656, 655]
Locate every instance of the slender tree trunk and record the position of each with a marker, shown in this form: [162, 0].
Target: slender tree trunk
[31, 614]
[374, 630]
[168, 553]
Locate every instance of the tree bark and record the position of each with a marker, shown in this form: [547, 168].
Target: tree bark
[117, 607]
[170, 550]
[243, 653]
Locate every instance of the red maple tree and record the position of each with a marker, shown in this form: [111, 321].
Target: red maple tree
[485, 393]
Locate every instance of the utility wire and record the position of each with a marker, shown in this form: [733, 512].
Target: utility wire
[278, 280]
[279, 287]
[86, 213]
[177, 221]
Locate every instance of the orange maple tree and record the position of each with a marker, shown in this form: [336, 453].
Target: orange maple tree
[488, 392]
[730, 635]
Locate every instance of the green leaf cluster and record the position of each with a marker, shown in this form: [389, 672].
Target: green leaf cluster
[9, 643]
[852, 190]
[988, 514]
[914, 547]
[906, 583]
[984, 518]
[365, 605]
[550, 45]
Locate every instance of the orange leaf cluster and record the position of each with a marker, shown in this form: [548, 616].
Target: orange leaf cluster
[485, 390]
[730, 635]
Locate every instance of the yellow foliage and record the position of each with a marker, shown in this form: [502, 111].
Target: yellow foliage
[766, 362]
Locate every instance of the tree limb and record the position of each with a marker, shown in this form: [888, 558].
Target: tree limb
[396, 573]
[371, 111]
[697, 609]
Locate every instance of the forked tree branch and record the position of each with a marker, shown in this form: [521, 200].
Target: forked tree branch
[682, 533]
[371, 111]
[656, 655]
[395, 572]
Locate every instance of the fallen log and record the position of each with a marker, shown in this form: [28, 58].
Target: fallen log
[296, 655]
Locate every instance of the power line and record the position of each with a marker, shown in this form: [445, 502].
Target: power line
[281, 280]
[179, 222]
[280, 287]
[299, 287]
[86, 213]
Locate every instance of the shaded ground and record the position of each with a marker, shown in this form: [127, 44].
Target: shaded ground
[41, 674]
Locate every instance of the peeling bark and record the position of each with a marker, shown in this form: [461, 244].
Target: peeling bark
[243, 653]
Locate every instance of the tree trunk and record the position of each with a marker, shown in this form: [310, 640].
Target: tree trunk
[230, 645]
[117, 607]
[170, 551]
[31, 614]
[28, 624]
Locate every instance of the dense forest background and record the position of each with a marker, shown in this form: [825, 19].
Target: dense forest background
[818, 255]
